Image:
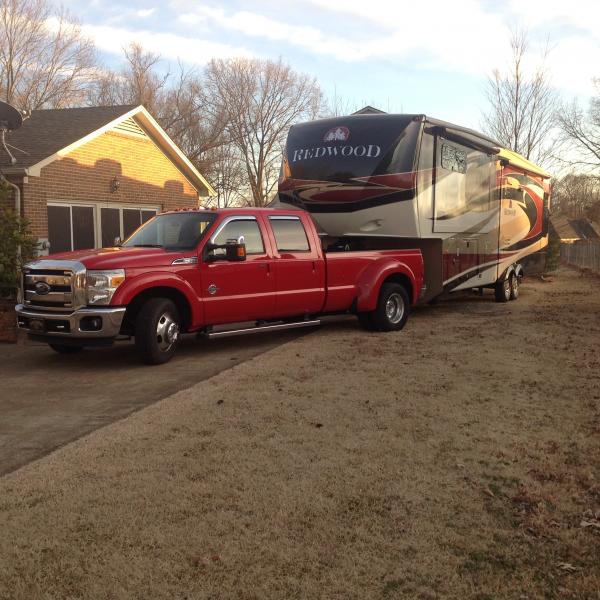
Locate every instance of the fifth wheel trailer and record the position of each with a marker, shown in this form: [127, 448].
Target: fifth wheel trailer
[476, 210]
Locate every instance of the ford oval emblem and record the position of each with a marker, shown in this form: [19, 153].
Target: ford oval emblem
[42, 288]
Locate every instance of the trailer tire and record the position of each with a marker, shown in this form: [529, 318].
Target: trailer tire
[393, 307]
[514, 286]
[157, 327]
[502, 290]
[65, 349]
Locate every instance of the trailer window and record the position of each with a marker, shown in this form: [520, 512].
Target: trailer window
[454, 159]
[290, 235]
[463, 188]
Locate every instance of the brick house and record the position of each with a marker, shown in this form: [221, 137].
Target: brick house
[89, 175]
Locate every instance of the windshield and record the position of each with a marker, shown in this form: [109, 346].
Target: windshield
[171, 231]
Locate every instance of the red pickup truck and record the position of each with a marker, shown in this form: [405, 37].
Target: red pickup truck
[202, 271]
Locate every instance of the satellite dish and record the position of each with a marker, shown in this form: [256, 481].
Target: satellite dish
[10, 117]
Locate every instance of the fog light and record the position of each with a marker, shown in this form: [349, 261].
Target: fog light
[90, 324]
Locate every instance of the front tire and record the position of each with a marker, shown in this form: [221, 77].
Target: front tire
[65, 349]
[391, 313]
[157, 327]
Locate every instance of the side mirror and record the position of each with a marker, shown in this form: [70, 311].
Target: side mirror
[234, 251]
[118, 241]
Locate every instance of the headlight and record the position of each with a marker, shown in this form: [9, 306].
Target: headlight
[101, 285]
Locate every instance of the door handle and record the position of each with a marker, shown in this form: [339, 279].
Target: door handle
[266, 266]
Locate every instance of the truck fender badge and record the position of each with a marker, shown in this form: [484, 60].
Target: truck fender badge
[42, 288]
[212, 289]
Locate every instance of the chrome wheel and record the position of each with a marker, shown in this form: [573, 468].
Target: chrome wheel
[167, 332]
[394, 308]
[506, 286]
[514, 287]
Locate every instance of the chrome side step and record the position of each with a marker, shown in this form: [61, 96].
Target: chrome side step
[261, 328]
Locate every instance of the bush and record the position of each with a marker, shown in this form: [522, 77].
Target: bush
[14, 232]
[553, 250]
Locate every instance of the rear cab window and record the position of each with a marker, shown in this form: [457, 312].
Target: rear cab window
[290, 234]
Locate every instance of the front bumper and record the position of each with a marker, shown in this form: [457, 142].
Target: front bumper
[83, 323]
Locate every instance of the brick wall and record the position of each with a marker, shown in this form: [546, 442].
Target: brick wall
[146, 177]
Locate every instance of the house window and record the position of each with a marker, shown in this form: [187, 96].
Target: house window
[83, 226]
[71, 227]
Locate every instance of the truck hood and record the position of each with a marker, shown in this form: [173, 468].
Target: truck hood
[120, 258]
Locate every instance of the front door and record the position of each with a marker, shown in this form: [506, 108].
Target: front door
[239, 291]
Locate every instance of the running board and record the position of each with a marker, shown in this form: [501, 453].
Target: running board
[261, 328]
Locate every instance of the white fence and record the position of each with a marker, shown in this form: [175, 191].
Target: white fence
[585, 255]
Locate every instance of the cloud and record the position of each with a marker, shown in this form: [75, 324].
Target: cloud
[457, 37]
[390, 31]
[144, 13]
[255, 25]
[168, 45]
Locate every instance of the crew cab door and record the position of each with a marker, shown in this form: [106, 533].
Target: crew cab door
[299, 267]
[239, 291]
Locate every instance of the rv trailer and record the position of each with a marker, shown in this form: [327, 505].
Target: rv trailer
[476, 210]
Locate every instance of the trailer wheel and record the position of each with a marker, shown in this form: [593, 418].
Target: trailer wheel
[65, 349]
[502, 290]
[514, 286]
[392, 309]
[157, 328]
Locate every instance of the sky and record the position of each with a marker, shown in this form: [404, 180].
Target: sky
[418, 56]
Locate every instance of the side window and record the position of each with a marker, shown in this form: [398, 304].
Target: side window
[290, 235]
[246, 228]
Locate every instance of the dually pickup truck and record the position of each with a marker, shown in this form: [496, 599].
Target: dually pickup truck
[204, 271]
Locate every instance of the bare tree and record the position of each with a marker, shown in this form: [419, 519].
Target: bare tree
[581, 132]
[44, 59]
[522, 105]
[227, 174]
[260, 100]
[338, 106]
[577, 195]
[178, 102]
[138, 82]
[197, 127]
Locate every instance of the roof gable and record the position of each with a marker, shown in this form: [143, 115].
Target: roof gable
[52, 134]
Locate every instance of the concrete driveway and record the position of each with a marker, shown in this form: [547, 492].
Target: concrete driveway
[48, 400]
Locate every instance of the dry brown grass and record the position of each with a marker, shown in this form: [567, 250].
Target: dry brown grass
[459, 458]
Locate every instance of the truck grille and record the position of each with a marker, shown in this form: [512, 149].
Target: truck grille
[45, 288]
[56, 286]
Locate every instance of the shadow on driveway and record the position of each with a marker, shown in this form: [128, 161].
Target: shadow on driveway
[48, 399]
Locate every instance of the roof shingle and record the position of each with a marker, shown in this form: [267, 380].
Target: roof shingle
[48, 131]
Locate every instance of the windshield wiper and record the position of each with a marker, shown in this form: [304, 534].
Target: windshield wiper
[147, 245]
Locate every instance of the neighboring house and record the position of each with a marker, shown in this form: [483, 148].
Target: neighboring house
[571, 230]
[369, 110]
[90, 175]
